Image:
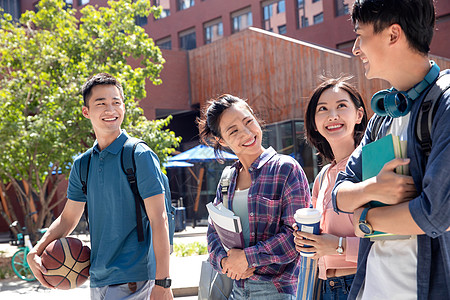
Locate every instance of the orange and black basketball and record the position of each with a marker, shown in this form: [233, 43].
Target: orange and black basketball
[67, 262]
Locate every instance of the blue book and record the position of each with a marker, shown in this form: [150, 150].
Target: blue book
[375, 155]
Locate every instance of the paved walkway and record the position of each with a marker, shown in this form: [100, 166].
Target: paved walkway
[185, 273]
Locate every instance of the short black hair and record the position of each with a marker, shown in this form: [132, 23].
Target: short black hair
[99, 79]
[416, 18]
[313, 136]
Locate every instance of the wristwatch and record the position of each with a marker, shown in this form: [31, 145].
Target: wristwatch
[339, 249]
[165, 283]
[364, 226]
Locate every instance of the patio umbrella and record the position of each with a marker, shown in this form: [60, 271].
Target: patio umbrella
[200, 153]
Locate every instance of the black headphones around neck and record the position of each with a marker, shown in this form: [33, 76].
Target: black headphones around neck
[398, 103]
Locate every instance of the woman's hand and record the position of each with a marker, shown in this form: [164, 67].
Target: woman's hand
[323, 244]
[235, 265]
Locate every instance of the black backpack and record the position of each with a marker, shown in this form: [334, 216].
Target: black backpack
[425, 118]
[129, 168]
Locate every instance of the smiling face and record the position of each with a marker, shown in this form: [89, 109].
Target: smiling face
[240, 132]
[371, 48]
[106, 110]
[336, 116]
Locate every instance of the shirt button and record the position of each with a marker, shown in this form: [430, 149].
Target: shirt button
[434, 233]
[250, 169]
[254, 265]
[100, 169]
[252, 214]
[253, 234]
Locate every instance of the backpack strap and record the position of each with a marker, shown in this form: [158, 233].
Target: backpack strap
[376, 127]
[129, 168]
[322, 173]
[85, 162]
[225, 181]
[427, 112]
[84, 169]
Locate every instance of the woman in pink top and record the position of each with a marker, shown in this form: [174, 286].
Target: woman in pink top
[335, 121]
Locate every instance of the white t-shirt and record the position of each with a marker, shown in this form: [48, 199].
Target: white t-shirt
[391, 271]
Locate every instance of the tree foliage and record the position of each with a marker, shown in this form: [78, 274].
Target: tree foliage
[44, 60]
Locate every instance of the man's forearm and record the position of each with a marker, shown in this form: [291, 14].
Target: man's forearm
[161, 247]
[351, 196]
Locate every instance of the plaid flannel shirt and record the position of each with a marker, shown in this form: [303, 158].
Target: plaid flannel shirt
[279, 187]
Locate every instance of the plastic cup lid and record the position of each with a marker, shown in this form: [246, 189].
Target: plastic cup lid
[307, 213]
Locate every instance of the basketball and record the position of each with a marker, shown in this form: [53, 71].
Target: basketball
[67, 262]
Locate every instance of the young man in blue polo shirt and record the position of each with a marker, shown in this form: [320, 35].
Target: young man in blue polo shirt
[393, 38]
[121, 267]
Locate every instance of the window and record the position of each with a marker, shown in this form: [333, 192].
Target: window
[187, 39]
[185, 4]
[141, 21]
[11, 7]
[282, 29]
[82, 2]
[165, 4]
[309, 10]
[69, 4]
[318, 18]
[213, 31]
[165, 43]
[241, 20]
[342, 7]
[274, 14]
[287, 138]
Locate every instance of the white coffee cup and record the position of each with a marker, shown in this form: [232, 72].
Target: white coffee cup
[308, 220]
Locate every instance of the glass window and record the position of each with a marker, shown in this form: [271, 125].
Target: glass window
[342, 7]
[288, 138]
[241, 20]
[141, 21]
[11, 7]
[165, 43]
[82, 2]
[318, 18]
[213, 31]
[282, 29]
[309, 10]
[185, 4]
[274, 14]
[165, 4]
[188, 40]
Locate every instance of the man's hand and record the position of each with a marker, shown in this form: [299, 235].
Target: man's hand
[235, 264]
[160, 293]
[35, 263]
[389, 187]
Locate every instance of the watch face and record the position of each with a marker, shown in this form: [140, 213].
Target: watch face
[365, 228]
[340, 250]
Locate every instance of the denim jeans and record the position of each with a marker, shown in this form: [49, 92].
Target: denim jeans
[336, 288]
[258, 290]
[141, 290]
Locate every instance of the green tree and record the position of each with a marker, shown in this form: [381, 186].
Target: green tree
[44, 60]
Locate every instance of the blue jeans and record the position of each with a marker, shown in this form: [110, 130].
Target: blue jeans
[336, 288]
[141, 290]
[258, 290]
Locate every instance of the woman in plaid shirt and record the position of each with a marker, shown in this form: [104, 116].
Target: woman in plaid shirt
[265, 191]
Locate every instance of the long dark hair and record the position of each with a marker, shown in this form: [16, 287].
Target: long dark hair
[312, 135]
[208, 123]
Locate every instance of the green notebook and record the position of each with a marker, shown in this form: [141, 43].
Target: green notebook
[375, 155]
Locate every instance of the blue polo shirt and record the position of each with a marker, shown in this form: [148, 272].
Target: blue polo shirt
[116, 255]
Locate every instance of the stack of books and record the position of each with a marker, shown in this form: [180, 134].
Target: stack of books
[227, 225]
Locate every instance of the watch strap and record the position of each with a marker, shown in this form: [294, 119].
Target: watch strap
[363, 216]
[165, 283]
